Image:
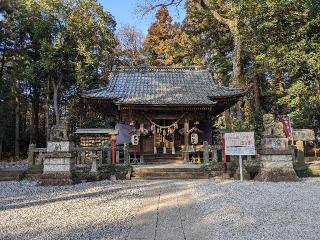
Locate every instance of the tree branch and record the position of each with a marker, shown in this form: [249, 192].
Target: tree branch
[149, 6]
[216, 15]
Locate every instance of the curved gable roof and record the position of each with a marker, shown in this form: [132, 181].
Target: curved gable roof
[162, 86]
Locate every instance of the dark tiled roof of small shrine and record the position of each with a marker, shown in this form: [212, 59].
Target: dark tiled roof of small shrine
[162, 86]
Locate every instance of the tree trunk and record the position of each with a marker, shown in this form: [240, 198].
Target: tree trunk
[35, 106]
[236, 58]
[256, 88]
[1, 144]
[233, 25]
[236, 63]
[56, 87]
[17, 126]
[227, 118]
[3, 61]
[47, 112]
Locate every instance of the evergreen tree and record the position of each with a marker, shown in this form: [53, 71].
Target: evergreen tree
[162, 45]
[51, 49]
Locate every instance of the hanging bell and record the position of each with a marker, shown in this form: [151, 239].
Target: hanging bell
[164, 132]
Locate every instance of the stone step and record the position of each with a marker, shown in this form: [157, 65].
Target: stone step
[11, 175]
[170, 176]
[171, 172]
[164, 161]
[167, 170]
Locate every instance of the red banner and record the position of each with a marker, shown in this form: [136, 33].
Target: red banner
[285, 119]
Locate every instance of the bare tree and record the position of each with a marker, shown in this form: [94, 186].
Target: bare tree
[130, 45]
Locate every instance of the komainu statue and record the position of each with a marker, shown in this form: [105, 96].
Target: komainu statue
[272, 127]
[59, 132]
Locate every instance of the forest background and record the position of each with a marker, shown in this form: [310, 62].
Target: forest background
[53, 50]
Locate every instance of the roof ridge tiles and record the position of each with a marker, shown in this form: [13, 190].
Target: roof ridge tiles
[145, 68]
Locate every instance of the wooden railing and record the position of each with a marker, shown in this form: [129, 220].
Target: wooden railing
[102, 154]
[84, 156]
[203, 153]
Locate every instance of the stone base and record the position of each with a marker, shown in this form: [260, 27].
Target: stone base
[277, 164]
[277, 175]
[58, 179]
[58, 163]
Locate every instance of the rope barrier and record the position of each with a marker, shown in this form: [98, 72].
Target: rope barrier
[164, 127]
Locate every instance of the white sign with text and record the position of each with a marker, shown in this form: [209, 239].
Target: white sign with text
[240, 143]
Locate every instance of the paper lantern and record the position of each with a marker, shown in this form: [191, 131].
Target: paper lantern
[194, 138]
[135, 139]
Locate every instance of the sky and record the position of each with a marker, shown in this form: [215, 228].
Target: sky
[124, 13]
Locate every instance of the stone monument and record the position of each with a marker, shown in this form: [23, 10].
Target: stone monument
[59, 161]
[275, 155]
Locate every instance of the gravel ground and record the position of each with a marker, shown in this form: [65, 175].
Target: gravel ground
[207, 210]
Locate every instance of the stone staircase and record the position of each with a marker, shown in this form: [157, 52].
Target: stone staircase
[168, 171]
[164, 159]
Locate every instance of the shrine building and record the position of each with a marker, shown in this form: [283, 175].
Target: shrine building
[163, 111]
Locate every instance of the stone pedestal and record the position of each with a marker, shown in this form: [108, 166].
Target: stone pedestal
[276, 161]
[59, 164]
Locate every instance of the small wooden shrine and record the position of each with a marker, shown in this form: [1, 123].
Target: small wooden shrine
[164, 110]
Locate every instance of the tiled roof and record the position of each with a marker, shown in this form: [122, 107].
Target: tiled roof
[162, 86]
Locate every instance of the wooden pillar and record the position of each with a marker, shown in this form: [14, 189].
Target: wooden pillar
[155, 140]
[173, 149]
[141, 144]
[164, 144]
[113, 150]
[186, 139]
[165, 131]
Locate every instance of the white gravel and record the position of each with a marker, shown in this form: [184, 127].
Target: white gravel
[255, 210]
[209, 209]
[97, 210]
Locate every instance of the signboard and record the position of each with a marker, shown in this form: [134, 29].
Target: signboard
[239, 143]
[303, 135]
[135, 139]
[285, 119]
[194, 138]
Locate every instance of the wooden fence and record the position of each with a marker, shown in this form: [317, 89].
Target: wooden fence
[84, 156]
